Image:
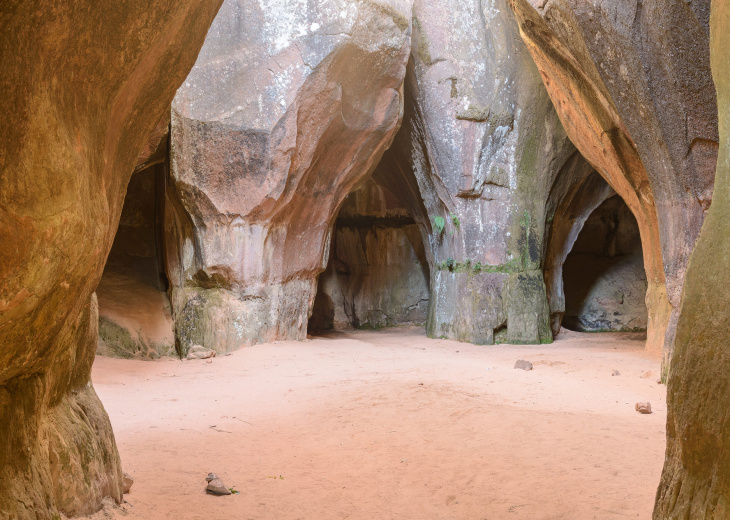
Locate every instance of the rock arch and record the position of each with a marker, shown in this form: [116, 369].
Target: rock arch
[614, 121]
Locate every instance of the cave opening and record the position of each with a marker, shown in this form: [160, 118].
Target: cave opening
[604, 279]
[135, 319]
[377, 274]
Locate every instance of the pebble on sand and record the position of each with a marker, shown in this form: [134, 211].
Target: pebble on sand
[215, 485]
[127, 482]
[523, 365]
[643, 407]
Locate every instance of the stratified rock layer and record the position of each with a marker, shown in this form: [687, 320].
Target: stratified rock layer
[286, 110]
[696, 478]
[84, 85]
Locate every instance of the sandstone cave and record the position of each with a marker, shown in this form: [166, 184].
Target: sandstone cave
[192, 191]
[135, 317]
[377, 273]
[604, 278]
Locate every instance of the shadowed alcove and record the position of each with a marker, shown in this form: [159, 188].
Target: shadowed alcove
[135, 318]
[594, 270]
[603, 276]
[377, 274]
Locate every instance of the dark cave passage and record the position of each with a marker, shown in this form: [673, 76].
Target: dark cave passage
[377, 275]
[604, 279]
[134, 309]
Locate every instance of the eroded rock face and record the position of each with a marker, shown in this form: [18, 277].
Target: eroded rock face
[696, 478]
[377, 275]
[83, 87]
[642, 116]
[287, 108]
[484, 144]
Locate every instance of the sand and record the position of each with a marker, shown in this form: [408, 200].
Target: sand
[391, 424]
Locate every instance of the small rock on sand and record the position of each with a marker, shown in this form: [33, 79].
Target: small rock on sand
[200, 352]
[523, 365]
[127, 482]
[215, 485]
[615, 373]
[643, 407]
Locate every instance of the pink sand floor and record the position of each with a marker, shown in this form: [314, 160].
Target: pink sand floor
[391, 424]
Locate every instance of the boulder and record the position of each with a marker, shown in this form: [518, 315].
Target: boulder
[199, 352]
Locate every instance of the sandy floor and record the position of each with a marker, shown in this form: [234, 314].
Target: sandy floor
[386, 425]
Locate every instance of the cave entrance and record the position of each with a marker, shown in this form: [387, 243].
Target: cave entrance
[135, 318]
[604, 279]
[377, 275]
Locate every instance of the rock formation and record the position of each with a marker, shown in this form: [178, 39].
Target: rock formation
[256, 180]
[84, 85]
[135, 318]
[642, 116]
[377, 275]
[696, 478]
[471, 141]
[485, 145]
[604, 278]
[578, 191]
[285, 111]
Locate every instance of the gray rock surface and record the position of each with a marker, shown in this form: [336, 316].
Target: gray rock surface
[632, 84]
[286, 109]
[522, 364]
[216, 486]
[484, 144]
